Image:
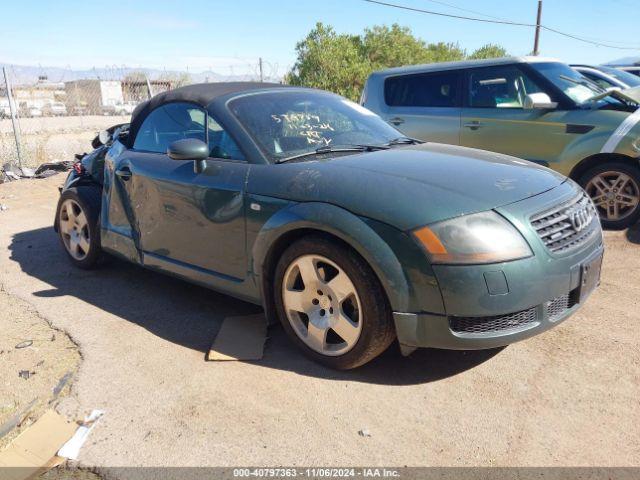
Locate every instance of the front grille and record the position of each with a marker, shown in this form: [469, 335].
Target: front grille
[567, 226]
[559, 305]
[478, 325]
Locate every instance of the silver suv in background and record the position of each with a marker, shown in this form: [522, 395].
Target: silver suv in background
[529, 107]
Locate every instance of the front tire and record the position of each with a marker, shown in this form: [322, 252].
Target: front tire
[77, 219]
[615, 190]
[331, 304]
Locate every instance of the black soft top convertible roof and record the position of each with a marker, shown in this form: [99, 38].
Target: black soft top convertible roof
[201, 94]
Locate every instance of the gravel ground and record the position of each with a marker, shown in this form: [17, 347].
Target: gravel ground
[568, 397]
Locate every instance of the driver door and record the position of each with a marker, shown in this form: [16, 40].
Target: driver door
[181, 218]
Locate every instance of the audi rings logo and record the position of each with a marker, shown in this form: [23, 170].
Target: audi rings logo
[580, 217]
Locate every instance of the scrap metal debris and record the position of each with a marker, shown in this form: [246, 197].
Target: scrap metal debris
[25, 344]
[61, 384]
[52, 168]
[10, 171]
[364, 433]
[27, 172]
[25, 374]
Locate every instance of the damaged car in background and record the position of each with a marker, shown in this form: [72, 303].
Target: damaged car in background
[348, 232]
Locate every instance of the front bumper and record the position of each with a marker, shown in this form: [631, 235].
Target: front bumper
[488, 306]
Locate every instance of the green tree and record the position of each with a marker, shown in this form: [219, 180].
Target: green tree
[341, 63]
[489, 50]
[385, 47]
[330, 61]
[445, 52]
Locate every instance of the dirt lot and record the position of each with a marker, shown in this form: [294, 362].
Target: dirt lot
[47, 358]
[567, 397]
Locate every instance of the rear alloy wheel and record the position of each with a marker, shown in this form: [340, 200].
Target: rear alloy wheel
[615, 191]
[331, 303]
[74, 230]
[78, 225]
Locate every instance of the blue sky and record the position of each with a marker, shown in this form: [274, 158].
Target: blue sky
[223, 35]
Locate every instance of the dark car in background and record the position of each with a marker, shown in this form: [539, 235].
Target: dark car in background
[348, 232]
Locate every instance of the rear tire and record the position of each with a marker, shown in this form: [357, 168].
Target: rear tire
[614, 187]
[331, 303]
[78, 225]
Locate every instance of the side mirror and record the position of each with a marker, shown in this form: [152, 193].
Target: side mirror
[539, 101]
[188, 149]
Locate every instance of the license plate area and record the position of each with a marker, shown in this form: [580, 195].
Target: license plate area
[589, 277]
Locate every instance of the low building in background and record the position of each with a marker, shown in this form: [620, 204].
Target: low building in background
[92, 97]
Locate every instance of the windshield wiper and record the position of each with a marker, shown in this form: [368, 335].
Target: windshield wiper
[336, 149]
[585, 83]
[404, 141]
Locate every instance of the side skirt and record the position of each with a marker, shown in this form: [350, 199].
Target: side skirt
[123, 246]
[243, 289]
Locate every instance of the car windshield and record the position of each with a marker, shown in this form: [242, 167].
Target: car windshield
[626, 77]
[572, 83]
[289, 124]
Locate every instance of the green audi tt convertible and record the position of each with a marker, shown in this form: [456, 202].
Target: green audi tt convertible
[349, 233]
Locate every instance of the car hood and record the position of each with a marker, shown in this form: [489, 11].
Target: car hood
[632, 94]
[408, 187]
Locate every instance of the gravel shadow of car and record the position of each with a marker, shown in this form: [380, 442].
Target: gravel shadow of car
[190, 316]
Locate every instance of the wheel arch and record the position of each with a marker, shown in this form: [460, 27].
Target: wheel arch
[598, 159]
[313, 218]
[76, 183]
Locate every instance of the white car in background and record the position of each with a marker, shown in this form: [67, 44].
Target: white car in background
[633, 69]
[30, 112]
[125, 108]
[608, 77]
[54, 109]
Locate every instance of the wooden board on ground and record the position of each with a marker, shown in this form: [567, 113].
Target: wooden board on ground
[240, 338]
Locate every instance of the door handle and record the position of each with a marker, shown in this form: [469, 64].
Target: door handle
[124, 173]
[396, 120]
[473, 125]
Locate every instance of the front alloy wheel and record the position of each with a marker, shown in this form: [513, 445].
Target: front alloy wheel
[322, 305]
[331, 303]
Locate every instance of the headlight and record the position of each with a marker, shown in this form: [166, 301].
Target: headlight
[478, 238]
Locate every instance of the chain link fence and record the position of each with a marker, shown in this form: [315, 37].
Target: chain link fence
[50, 114]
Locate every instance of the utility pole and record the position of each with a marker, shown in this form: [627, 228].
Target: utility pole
[260, 65]
[536, 42]
[12, 109]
